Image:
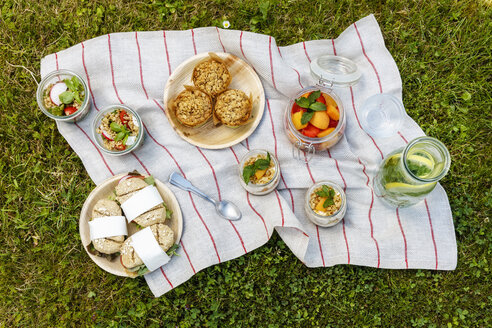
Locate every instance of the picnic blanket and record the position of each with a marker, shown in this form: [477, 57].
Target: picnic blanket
[132, 69]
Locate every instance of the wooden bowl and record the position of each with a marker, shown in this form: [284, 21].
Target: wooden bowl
[104, 190]
[207, 135]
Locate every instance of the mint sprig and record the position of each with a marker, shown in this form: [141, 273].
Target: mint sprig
[311, 105]
[74, 92]
[327, 192]
[121, 130]
[259, 164]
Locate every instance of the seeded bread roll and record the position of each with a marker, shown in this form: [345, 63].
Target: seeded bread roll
[233, 108]
[128, 188]
[211, 76]
[162, 233]
[109, 245]
[192, 107]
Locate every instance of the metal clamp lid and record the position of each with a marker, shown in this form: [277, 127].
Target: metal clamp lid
[332, 70]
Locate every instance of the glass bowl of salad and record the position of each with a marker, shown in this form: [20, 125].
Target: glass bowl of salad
[63, 96]
[325, 203]
[117, 130]
[315, 117]
[259, 172]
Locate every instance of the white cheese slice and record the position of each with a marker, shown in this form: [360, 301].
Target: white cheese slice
[108, 226]
[148, 249]
[131, 140]
[141, 202]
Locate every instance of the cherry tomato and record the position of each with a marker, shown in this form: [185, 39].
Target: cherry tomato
[121, 147]
[310, 131]
[70, 110]
[123, 119]
[296, 108]
[333, 124]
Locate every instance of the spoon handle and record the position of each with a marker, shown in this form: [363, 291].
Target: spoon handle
[179, 181]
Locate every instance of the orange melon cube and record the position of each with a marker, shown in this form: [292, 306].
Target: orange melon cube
[321, 120]
[259, 174]
[319, 206]
[324, 133]
[296, 119]
[333, 112]
[330, 100]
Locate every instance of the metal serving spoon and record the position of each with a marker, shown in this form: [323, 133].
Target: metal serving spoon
[225, 208]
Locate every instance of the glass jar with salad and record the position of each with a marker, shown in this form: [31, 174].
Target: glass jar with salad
[325, 203]
[259, 172]
[62, 95]
[315, 118]
[408, 174]
[117, 130]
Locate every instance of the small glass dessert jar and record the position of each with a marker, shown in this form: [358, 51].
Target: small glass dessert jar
[259, 172]
[117, 130]
[317, 123]
[63, 96]
[408, 174]
[325, 203]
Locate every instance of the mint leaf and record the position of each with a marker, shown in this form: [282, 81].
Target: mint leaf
[121, 135]
[306, 117]
[321, 193]
[66, 97]
[116, 127]
[261, 164]
[328, 202]
[317, 106]
[248, 172]
[303, 102]
[268, 157]
[313, 96]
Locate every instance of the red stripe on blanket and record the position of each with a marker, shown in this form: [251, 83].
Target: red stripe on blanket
[343, 220]
[187, 256]
[305, 51]
[247, 144]
[213, 171]
[355, 112]
[271, 60]
[280, 206]
[334, 49]
[100, 154]
[298, 75]
[141, 163]
[241, 45]
[320, 248]
[249, 202]
[87, 75]
[191, 198]
[220, 197]
[158, 105]
[164, 274]
[432, 231]
[56, 59]
[367, 57]
[193, 39]
[140, 64]
[403, 234]
[309, 171]
[401, 135]
[370, 210]
[220, 40]
[167, 52]
[112, 69]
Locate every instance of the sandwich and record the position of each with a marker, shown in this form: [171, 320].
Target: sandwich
[128, 187]
[108, 245]
[129, 258]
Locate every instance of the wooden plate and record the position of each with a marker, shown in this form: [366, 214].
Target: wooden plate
[209, 136]
[103, 191]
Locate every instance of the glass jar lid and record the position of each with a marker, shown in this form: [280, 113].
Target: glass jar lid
[332, 70]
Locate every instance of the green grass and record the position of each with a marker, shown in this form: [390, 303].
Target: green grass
[443, 50]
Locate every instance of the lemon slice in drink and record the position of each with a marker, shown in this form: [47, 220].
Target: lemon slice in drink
[405, 188]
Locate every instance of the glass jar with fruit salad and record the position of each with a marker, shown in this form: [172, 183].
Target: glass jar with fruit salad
[315, 118]
[408, 174]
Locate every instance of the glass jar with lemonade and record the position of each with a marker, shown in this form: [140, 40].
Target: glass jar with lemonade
[407, 175]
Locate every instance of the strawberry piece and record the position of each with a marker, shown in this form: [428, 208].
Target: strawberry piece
[310, 131]
[333, 124]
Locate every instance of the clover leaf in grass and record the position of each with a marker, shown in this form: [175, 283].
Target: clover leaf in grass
[327, 192]
[258, 165]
